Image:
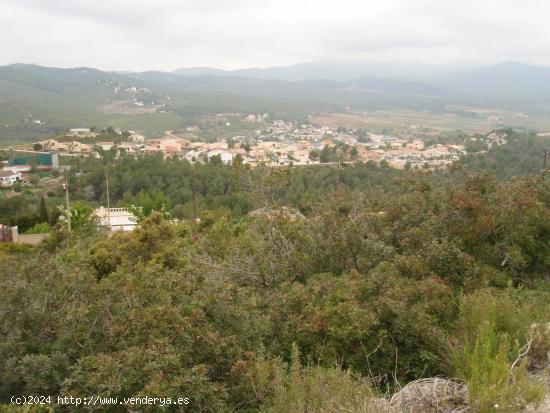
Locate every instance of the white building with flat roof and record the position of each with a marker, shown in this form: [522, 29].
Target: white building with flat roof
[117, 219]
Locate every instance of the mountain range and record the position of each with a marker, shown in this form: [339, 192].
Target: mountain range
[36, 100]
[330, 71]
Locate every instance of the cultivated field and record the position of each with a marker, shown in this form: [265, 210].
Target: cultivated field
[468, 119]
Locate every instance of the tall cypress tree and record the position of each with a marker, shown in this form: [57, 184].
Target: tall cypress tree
[43, 214]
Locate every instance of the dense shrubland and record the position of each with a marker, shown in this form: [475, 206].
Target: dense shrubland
[388, 278]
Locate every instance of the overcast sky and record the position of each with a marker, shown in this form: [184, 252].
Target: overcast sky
[168, 34]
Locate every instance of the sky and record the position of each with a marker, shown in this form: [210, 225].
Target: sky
[230, 34]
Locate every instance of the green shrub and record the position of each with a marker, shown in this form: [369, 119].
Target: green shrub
[491, 339]
[41, 228]
[272, 386]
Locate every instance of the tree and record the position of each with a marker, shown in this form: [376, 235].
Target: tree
[34, 179]
[363, 137]
[82, 218]
[43, 212]
[17, 186]
[246, 146]
[314, 154]
[326, 155]
[145, 204]
[179, 211]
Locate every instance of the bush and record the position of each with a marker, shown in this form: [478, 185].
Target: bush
[272, 386]
[41, 228]
[491, 336]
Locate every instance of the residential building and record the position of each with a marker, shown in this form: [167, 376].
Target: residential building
[8, 178]
[225, 156]
[81, 132]
[117, 219]
[136, 138]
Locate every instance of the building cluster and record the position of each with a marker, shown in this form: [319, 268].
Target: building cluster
[280, 143]
[496, 138]
[77, 148]
[399, 152]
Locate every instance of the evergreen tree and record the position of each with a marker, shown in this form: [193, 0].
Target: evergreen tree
[43, 213]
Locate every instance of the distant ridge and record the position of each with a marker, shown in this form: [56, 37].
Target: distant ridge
[329, 71]
[508, 80]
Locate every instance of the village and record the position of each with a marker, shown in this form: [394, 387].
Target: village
[275, 144]
[278, 144]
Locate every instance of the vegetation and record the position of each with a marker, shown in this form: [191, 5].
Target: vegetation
[521, 155]
[390, 277]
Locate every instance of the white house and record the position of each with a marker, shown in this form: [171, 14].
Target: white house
[8, 178]
[136, 138]
[226, 157]
[86, 132]
[118, 219]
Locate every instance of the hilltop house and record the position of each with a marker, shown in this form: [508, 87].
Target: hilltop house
[81, 132]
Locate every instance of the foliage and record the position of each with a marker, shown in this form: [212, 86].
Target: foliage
[485, 354]
[385, 278]
[275, 386]
[521, 155]
[43, 212]
[41, 228]
[82, 218]
[145, 204]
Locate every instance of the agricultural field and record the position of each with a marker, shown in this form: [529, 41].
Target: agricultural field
[468, 119]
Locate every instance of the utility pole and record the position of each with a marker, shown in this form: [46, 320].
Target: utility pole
[67, 204]
[338, 176]
[108, 200]
[193, 189]
[544, 167]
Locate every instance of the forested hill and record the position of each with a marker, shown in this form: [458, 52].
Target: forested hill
[523, 154]
[389, 278]
[38, 101]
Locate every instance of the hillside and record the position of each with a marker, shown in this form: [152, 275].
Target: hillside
[37, 101]
[511, 84]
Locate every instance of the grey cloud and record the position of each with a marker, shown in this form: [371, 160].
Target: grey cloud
[166, 34]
